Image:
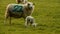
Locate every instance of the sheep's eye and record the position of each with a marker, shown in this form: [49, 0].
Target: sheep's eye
[28, 4]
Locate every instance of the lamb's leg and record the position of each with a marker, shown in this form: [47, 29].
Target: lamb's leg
[26, 23]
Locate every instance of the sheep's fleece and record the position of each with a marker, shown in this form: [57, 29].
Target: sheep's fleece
[18, 10]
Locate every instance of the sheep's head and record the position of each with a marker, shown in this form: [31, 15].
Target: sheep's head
[30, 5]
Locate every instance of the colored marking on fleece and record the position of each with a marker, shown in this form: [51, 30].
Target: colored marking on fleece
[18, 8]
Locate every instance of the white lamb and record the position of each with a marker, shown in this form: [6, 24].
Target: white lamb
[30, 20]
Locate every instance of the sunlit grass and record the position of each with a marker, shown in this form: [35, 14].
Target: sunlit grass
[46, 14]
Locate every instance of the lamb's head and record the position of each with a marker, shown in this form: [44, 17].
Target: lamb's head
[21, 1]
[18, 1]
[30, 5]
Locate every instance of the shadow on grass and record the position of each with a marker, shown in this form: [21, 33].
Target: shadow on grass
[45, 27]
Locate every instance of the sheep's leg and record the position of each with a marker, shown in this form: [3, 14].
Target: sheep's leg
[6, 17]
[10, 20]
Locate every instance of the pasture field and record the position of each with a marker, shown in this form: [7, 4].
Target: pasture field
[46, 14]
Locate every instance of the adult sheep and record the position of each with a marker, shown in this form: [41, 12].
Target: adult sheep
[18, 11]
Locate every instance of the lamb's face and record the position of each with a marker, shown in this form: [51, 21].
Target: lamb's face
[20, 1]
[30, 5]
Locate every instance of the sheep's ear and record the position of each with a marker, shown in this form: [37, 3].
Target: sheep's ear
[33, 3]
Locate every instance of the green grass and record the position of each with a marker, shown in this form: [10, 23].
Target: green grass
[46, 14]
